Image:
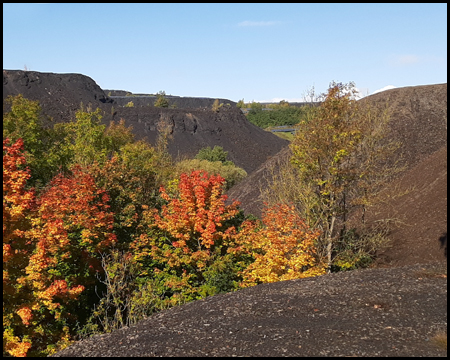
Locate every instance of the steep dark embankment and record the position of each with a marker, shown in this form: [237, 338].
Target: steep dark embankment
[418, 119]
[60, 96]
[248, 146]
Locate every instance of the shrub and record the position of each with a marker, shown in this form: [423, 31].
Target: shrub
[215, 154]
[216, 106]
[230, 172]
[283, 247]
[161, 100]
[187, 240]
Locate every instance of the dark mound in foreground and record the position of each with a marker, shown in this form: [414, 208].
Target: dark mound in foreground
[191, 129]
[376, 312]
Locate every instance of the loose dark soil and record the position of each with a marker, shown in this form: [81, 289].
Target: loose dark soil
[392, 310]
[180, 102]
[191, 129]
[247, 145]
[375, 312]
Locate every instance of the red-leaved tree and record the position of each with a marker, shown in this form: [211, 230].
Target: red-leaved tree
[189, 237]
[51, 251]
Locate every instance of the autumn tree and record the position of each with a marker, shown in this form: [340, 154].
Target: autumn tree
[340, 153]
[188, 238]
[18, 203]
[50, 255]
[283, 247]
[133, 177]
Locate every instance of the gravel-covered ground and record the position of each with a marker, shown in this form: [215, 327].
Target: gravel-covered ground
[374, 312]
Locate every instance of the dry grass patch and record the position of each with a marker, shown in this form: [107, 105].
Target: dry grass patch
[440, 339]
[431, 273]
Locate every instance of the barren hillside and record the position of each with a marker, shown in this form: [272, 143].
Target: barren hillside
[191, 129]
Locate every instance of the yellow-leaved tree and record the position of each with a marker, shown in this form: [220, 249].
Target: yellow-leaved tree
[283, 247]
[342, 160]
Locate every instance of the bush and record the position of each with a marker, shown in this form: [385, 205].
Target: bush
[283, 247]
[187, 241]
[161, 100]
[280, 115]
[216, 154]
[216, 106]
[230, 172]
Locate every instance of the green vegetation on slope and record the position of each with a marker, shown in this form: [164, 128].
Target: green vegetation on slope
[276, 115]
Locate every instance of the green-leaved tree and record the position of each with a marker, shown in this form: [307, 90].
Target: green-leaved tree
[161, 100]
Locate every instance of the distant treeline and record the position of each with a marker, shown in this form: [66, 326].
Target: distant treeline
[279, 115]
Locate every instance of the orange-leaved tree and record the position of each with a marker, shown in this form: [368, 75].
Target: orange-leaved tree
[72, 228]
[283, 247]
[188, 239]
[49, 256]
[133, 177]
[17, 204]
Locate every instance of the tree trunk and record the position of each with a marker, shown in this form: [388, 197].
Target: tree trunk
[330, 243]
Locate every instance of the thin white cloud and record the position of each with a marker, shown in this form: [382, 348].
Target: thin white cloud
[388, 87]
[257, 23]
[411, 59]
[406, 59]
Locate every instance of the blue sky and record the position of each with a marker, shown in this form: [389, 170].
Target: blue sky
[255, 52]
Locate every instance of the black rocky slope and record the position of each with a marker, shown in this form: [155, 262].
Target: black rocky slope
[60, 95]
[191, 129]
